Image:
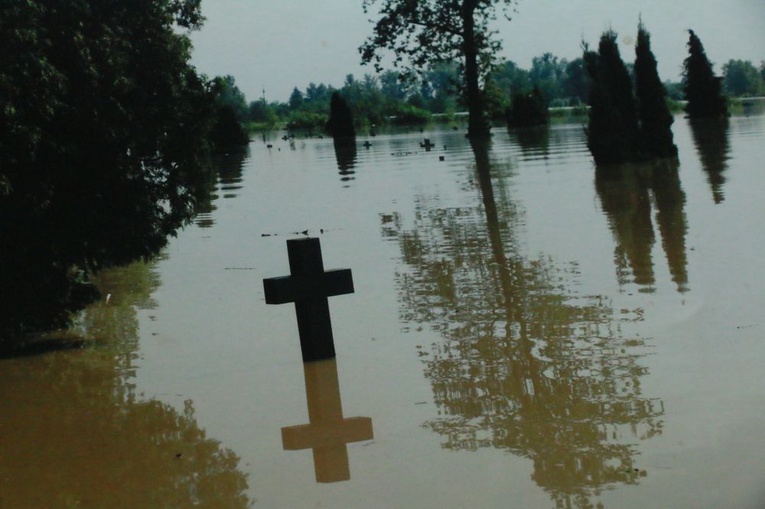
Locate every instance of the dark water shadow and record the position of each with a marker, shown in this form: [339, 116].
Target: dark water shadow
[711, 139]
[628, 195]
[225, 182]
[534, 141]
[345, 152]
[32, 347]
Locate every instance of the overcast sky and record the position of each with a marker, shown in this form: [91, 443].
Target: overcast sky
[276, 45]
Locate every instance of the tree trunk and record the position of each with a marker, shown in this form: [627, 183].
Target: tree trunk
[478, 126]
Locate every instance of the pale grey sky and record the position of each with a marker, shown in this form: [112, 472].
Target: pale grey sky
[279, 44]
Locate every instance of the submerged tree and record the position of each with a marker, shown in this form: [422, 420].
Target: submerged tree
[527, 109]
[655, 119]
[613, 129]
[103, 143]
[340, 123]
[227, 132]
[430, 31]
[703, 89]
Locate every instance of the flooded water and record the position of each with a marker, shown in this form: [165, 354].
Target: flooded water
[524, 332]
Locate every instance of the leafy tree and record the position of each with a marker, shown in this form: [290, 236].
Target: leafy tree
[674, 90]
[576, 83]
[528, 110]
[428, 31]
[655, 119]
[741, 78]
[394, 86]
[317, 97]
[262, 112]
[231, 110]
[703, 89]
[103, 128]
[510, 78]
[547, 73]
[227, 132]
[442, 82]
[227, 93]
[497, 101]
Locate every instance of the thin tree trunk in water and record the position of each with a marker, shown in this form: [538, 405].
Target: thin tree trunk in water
[477, 124]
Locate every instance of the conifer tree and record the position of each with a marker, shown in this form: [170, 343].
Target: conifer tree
[528, 109]
[340, 123]
[613, 131]
[703, 90]
[656, 139]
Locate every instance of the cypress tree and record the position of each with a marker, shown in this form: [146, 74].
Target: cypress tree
[703, 90]
[528, 109]
[613, 131]
[340, 123]
[656, 139]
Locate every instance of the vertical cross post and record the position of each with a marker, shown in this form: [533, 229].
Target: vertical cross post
[327, 432]
[308, 286]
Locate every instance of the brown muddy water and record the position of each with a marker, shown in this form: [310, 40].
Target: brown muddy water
[524, 332]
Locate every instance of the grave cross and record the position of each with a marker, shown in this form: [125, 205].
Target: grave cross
[327, 433]
[308, 286]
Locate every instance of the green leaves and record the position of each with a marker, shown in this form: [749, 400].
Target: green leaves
[103, 138]
[420, 33]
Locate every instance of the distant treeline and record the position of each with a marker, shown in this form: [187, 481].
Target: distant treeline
[391, 97]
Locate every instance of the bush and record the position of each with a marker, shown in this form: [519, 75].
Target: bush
[306, 120]
[406, 114]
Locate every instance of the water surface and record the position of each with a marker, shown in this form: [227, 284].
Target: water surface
[526, 331]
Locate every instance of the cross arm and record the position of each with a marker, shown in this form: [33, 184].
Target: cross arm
[281, 290]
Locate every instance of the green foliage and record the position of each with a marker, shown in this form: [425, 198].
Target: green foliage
[228, 131]
[656, 140]
[528, 110]
[227, 93]
[547, 74]
[103, 138]
[613, 129]
[263, 114]
[307, 120]
[495, 100]
[340, 123]
[365, 98]
[296, 99]
[674, 91]
[575, 84]
[741, 78]
[510, 78]
[406, 114]
[626, 127]
[424, 32]
[703, 90]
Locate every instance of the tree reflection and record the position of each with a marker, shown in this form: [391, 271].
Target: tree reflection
[626, 193]
[711, 139]
[345, 152]
[75, 434]
[534, 141]
[225, 181]
[526, 365]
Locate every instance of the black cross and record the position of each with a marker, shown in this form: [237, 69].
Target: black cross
[327, 433]
[308, 286]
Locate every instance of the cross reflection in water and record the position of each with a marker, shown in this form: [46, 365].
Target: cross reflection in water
[328, 433]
